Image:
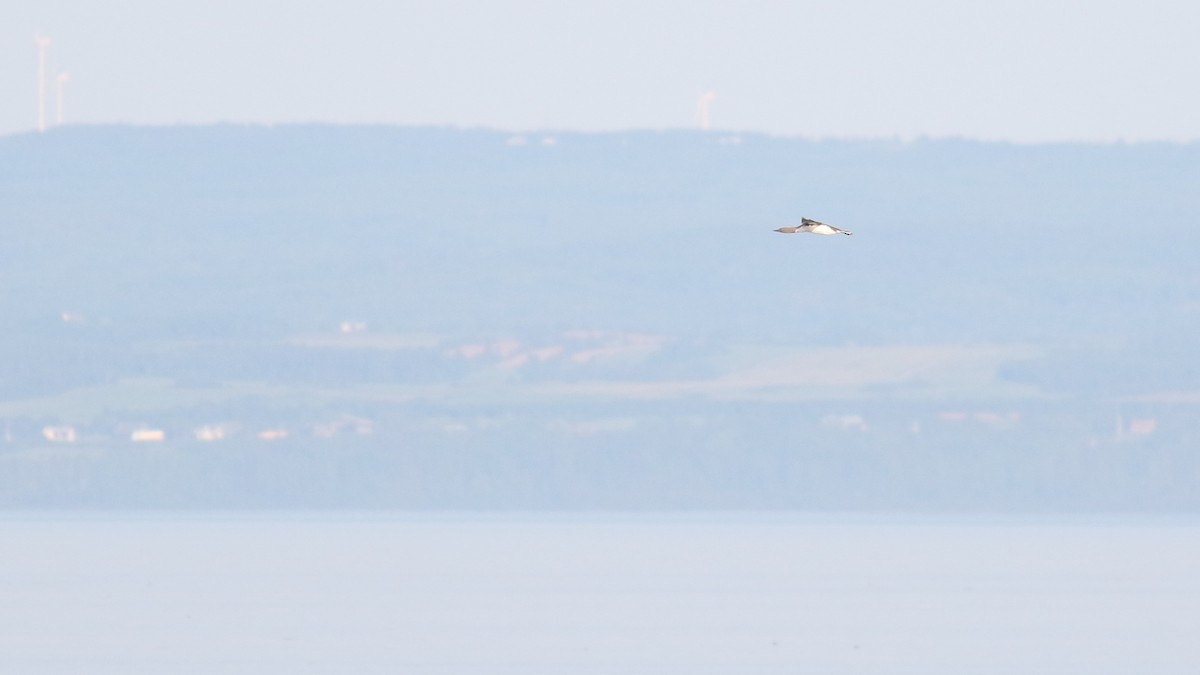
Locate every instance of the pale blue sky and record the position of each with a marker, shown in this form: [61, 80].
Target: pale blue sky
[1027, 71]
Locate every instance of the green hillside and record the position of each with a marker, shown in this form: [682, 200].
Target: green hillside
[617, 297]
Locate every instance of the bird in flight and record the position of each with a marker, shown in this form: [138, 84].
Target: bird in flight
[814, 226]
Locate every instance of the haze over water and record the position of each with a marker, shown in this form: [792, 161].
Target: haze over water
[702, 593]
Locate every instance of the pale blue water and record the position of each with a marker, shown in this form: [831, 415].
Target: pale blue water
[695, 594]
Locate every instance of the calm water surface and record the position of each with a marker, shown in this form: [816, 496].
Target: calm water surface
[687, 594]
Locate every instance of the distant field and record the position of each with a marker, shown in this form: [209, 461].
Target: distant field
[769, 374]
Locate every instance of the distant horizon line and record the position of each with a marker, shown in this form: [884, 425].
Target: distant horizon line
[714, 133]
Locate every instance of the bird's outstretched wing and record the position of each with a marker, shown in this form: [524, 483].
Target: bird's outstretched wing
[821, 228]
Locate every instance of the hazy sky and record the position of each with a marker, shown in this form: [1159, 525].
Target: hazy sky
[1015, 70]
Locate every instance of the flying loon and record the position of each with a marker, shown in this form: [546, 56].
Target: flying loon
[814, 226]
